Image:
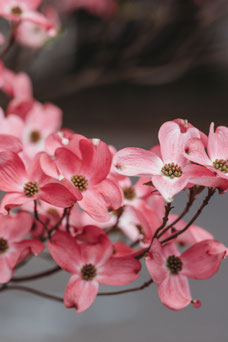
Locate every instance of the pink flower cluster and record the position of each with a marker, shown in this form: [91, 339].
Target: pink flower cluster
[34, 22]
[74, 193]
[74, 196]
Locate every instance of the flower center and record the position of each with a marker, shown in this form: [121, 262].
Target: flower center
[52, 211]
[220, 164]
[35, 136]
[129, 193]
[80, 182]
[3, 245]
[31, 188]
[88, 272]
[174, 264]
[172, 170]
[16, 10]
[118, 212]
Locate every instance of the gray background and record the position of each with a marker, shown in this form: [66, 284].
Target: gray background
[131, 317]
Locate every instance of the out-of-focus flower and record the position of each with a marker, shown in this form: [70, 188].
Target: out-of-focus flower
[14, 248]
[35, 36]
[40, 121]
[24, 10]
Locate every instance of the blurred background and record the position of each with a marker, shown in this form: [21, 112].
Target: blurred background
[118, 70]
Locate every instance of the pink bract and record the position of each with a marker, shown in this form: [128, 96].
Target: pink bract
[24, 10]
[13, 245]
[85, 171]
[170, 269]
[216, 157]
[168, 172]
[91, 262]
[24, 185]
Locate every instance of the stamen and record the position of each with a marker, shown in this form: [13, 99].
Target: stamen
[53, 212]
[172, 170]
[31, 189]
[3, 245]
[88, 272]
[174, 264]
[35, 136]
[80, 182]
[16, 11]
[129, 193]
[220, 164]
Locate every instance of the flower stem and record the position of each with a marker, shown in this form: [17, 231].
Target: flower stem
[211, 192]
[36, 276]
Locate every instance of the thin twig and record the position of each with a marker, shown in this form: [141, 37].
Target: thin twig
[135, 243]
[168, 208]
[36, 215]
[68, 219]
[59, 299]
[36, 276]
[33, 291]
[197, 214]
[191, 199]
[146, 284]
[59, 222]
[119, 213]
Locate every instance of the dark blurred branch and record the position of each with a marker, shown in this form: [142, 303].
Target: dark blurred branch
[148, 42]
[36, 276]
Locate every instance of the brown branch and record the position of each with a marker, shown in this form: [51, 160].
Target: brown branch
[33, 291]
[36, 276]
[168, 208]
[119, 213]
[59, 222]
[191, 199]
[211, 192]
[36, 215]
[68, 219]
[146, 284]
[135, 243]
[59, 299]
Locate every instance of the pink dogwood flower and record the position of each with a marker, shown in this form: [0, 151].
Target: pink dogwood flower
[14, 248]
[40, 122]
[136, 194]
[11, 124]
[86, 171]
[216, 158]
[31, 35]
[168, 172]
[24, 185]
[185, 125]
[170, 269]
[90, 259]
[24, 10]
[63, 138]
[19, 88]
